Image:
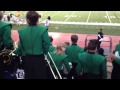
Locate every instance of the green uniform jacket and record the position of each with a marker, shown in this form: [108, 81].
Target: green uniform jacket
[5, 35]
[72, 52]
[34, 40]
[117, 60]
[92, 63]
[59, 61]
[117, 48]
[51, 48]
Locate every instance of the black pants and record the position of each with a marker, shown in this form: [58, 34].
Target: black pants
[116, 71]
[35, 67]
[98, 46]
[73, 72]
[91, 76]
[2, 68]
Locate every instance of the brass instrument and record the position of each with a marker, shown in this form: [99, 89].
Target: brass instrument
[55, 77]
[6, 55]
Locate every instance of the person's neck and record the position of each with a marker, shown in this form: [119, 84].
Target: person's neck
[74, 43]
[91, 50]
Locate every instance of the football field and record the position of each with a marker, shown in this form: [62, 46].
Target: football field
[81, 22]
[78, 16]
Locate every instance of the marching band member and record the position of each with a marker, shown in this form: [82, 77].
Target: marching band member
[72, 52]
[60, 58]
[100, 38]
[5, 41]
[116, 63]
[92, 65]
[117, 50]
[34, 42]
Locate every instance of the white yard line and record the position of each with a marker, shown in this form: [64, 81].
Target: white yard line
[80, 23]
[70, 16]
[108, 17]
[56, 14]
[44, 12]
[88, 16]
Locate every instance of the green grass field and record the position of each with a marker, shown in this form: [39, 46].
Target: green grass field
[81, 29]
[79, 16]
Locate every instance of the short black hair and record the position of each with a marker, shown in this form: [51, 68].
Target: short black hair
[33, 17]
[51, 39]
[74, 38]
[39, 16]
[49, 18]
[92, 45]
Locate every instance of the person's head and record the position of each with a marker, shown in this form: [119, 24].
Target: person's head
[60, 48]
[11, 15]
[100, 30]
[51, 39]
[101, 51]
[32, 17]
[92, 45]
[1, 15]
[39, 16]
[49, 18]
[110, 57]
[74, 39]
[67, 43]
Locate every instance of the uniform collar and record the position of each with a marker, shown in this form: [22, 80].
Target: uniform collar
[91, 52]
[74, 44]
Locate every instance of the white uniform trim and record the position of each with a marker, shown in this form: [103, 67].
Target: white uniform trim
[117, 54]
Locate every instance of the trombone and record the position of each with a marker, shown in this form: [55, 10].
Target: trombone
[55, 77]
[7, 55]
[54, 66]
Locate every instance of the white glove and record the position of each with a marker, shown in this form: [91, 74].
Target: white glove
[101, 39]
[117, 54]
